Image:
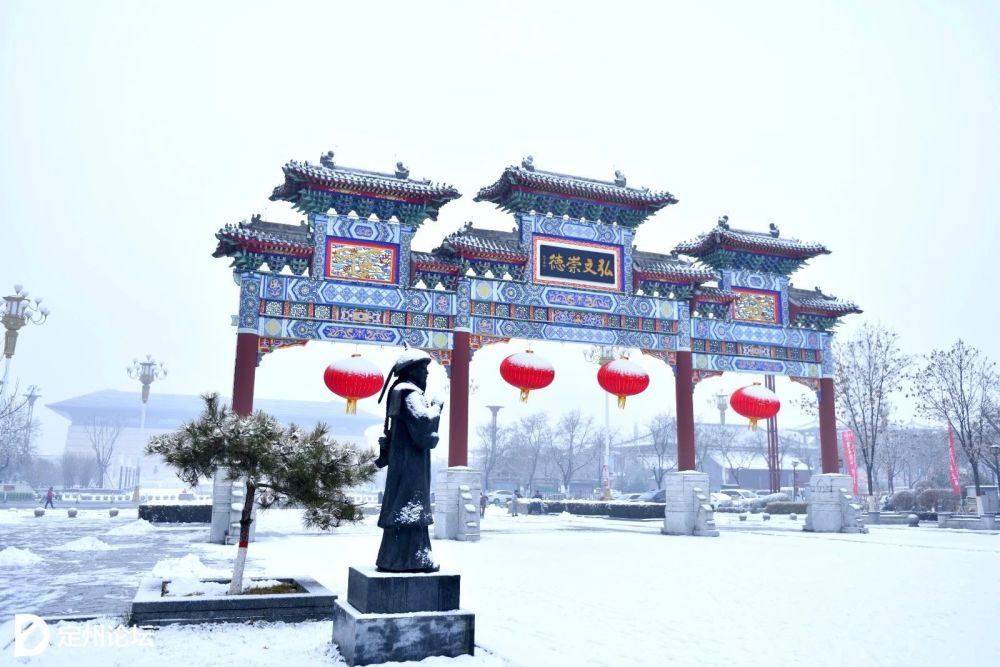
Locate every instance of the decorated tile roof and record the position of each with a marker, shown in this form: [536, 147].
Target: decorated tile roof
[470, 242]
[313, 187]
[259, 236]
[723, 237]
[668, 268]
[716, 294]
[816, 302]
[525, 188]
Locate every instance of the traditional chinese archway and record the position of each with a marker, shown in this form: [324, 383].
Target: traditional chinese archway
[568, 271]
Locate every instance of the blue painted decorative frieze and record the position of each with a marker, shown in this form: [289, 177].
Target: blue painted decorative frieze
[250, 293]
[717, 362]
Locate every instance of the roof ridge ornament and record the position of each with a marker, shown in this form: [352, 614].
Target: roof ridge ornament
[620, 179]
[775, 232]
[326, 160]
[401, 172]
[724, 222]
[528, 162]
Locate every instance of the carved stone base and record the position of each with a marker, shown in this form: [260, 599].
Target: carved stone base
[406, 617]
[688, 511]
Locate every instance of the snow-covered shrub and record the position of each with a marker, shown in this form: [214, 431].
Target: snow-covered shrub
[176, 513]
[635, 510]
[786, 507]
[902, 501]
[938, 499]
[587, 507]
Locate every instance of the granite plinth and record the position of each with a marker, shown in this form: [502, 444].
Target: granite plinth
[373, 592]
[365, 639]
[314, 602]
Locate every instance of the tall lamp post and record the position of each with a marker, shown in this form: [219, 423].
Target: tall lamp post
[30, 397]
[995, 449]
[795, 480]
[146, 372]
[494, 409]
[18, 310]
[721, 404]
[600, 355]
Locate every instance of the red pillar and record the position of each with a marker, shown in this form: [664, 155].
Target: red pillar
[458, 419]
[828, 426]
[684, 383]
[246, 370]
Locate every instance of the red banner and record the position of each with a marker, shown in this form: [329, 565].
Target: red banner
[849, 456]
[955, 486]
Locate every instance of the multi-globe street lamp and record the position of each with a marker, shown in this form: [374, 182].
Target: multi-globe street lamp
[146, 372]
[18, 311]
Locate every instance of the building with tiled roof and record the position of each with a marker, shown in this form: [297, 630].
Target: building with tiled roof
[252, 244]
[813, 309]
[524, 188]
[318, 188]
[726, 248]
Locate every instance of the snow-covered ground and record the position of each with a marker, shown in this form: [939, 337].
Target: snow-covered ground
[563, 590]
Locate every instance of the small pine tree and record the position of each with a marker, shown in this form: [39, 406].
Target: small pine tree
[281, 466]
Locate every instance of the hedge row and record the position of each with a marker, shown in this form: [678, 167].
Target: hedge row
[787, 507]
[176, 513]
[618, 510]
[637, 510]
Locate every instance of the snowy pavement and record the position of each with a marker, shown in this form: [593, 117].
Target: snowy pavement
[564, 590]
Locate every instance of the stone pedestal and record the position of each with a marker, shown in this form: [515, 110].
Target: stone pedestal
[400, 617]
[456, 504]
[831, 509]
[688, 511]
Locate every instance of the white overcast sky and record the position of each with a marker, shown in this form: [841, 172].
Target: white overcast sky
[131, 131]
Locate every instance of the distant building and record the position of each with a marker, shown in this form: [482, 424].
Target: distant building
[165, 412]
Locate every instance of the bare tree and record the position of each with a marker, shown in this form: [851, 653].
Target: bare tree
[894, 453]
[529, 437]
[78, 470]
[737, 456]
[870, 368]
[575, 445]
[16, 433]
[491, 452]
[659, 456]
[103, 434]
[958, 386]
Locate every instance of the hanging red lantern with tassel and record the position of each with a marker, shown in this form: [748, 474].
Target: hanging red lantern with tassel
[623, 378]
[353, 379]
[755, 403]
[527, 371]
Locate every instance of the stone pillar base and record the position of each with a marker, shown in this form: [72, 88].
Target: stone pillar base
[830, 507]
[688, 511]
[401, 617]
[456, 504]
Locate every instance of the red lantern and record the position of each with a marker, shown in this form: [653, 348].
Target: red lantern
[755, 402]
[353, 378]
[527, 371]
[622, 378]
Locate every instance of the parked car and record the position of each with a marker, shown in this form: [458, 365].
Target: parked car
[657, 496]
[741, 497]
[500, 498]
[631, 497]
[717, 500]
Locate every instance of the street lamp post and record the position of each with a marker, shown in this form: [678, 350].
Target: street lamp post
[494, 409]
[795, 480]
[600, 355]
[721, 403]
[18, 310]
[30, 397]
[145, 372]
[995, 449]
